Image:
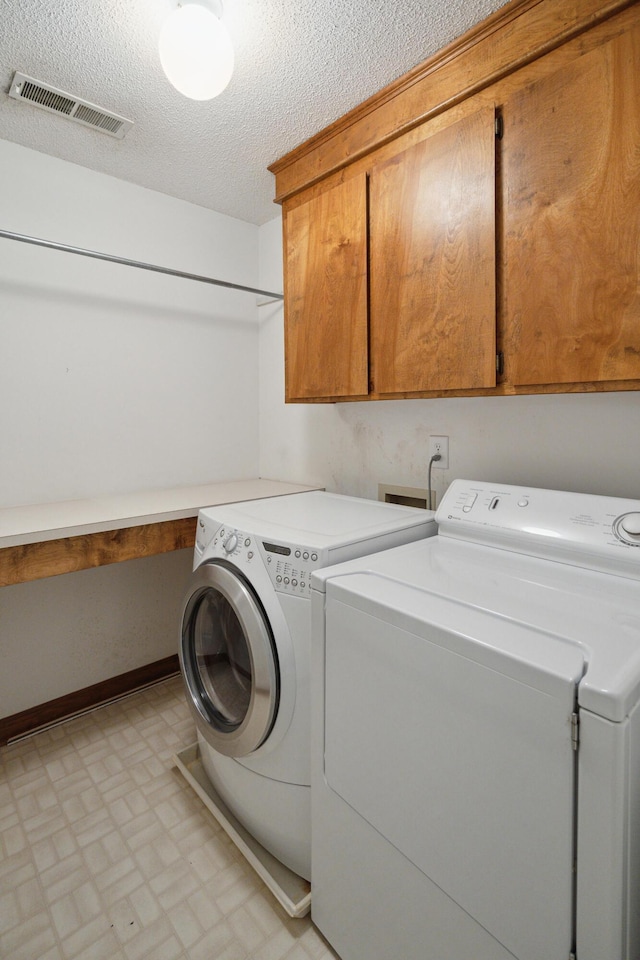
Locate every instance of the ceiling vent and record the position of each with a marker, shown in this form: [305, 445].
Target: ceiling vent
[49, 98]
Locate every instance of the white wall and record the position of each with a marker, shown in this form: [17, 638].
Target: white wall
[66, 633]
[583, 442]
[113, 380]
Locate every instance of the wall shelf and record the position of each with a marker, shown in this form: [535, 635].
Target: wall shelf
[46, 540]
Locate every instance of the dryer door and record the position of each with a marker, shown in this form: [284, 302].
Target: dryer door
[228, 660]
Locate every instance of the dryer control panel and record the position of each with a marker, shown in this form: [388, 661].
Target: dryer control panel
[601, 533]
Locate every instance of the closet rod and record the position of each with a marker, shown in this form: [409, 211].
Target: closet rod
[9, 235]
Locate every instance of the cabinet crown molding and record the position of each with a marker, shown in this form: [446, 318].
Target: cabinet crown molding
[513, 36]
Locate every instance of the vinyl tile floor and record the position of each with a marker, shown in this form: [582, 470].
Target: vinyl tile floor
[106, 853]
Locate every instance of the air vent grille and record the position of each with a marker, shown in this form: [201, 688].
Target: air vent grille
[28, 90]
[46, 98]
[97, 119]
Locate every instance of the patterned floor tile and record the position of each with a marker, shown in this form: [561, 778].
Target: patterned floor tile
[107, 854]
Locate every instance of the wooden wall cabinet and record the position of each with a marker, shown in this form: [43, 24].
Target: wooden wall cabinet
[390, 275]
[571, 213]
[432, 262]
[326, 295]
[443, 261]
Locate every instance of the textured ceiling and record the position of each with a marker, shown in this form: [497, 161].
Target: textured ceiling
[300, 64]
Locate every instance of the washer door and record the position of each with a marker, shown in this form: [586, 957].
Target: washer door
[228, 660]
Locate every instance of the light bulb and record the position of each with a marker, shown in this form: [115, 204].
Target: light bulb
[196, 52]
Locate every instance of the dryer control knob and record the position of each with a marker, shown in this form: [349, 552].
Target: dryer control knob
[231, 543]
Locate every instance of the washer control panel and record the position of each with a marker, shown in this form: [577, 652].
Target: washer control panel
[205, 530]
[289, 565]
[593, 531]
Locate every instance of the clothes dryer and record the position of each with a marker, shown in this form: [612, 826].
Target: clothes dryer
[245, 646]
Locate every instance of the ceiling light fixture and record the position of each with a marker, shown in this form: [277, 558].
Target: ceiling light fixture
[195, 50]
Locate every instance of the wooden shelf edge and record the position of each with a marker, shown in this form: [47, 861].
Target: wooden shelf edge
[50, 558]
[27, 721]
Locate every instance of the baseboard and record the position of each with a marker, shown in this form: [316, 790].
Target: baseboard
[61, 708]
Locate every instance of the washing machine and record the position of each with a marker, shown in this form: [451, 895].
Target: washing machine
[245, 646]
[476, 735]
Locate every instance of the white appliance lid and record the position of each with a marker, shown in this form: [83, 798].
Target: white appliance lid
[504, 645]
[560, 615]
[318, 518]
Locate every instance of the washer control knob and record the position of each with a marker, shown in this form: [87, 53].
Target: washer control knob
[469, 502]
[630, 523]
[628, 527]
[231, 543]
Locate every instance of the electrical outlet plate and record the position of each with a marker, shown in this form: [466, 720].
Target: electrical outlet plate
[439, 445]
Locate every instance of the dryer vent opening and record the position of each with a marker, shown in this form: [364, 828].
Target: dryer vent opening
[403, 496]
[38, 94]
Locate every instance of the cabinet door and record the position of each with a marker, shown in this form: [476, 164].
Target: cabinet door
[326, 343]
[571, 205]
[432, 262]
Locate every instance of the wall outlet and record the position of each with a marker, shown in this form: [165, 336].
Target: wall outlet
[439, 445]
